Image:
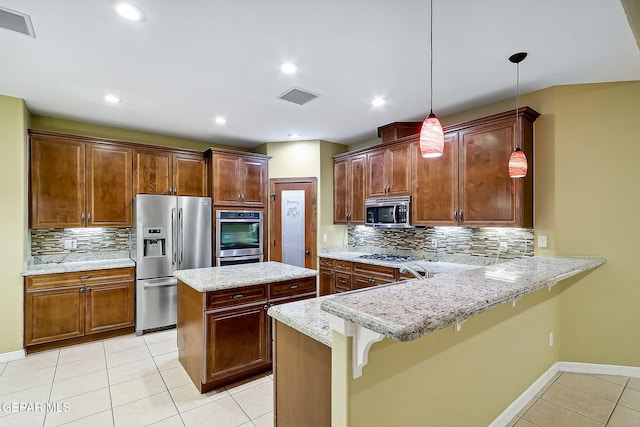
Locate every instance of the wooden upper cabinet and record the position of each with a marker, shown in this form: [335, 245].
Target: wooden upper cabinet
[152, 172]
[75, 183]
[189, 175]
[389, 171]
[238, 179]
[109, 185]
[57, 183]
[349, 189]
[435, 185]
[167, 172]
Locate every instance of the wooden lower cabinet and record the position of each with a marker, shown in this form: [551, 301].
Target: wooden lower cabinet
[225, 336]
[341, 276]
[66, 306]
[302, 373]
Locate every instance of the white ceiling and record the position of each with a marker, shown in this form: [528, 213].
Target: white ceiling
[193, 60]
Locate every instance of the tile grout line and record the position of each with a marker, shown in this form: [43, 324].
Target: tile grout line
[165, 384]
[53, 380]
[618, 401]
[113, 417]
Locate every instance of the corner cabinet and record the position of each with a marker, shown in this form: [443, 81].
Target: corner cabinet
[62, 306]
[75, 183]
[237, 178]
[469, 184]
[349, 189]
[169, 172]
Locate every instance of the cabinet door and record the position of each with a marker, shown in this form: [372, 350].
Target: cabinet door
[54, 314]
[357, 189]
[236, 341]
[253, 181]
[399, 170]
[152, 172]
[342, 282]
[57, 183]
[325, 282]
[226, 179]
[109, 306]
[376, 174]
[109, 185]
[435, 185]
[487, 193]
[189, 175]
[341, 191]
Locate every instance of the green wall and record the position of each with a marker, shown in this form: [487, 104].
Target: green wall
[587, 194]
[14, 120]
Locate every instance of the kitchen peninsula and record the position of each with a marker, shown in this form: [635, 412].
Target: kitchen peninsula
[224, 333]
[421, 365]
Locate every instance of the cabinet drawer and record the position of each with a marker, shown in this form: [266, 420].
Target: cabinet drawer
[80, 277]
[292, 287]
[326, 263]
[238, 296]
[375, 270]
[342, 282]
[342, 265]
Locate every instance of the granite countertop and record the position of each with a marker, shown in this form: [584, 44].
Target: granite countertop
[235, 276]
[305, 316]
[69, 263]
[411, 309]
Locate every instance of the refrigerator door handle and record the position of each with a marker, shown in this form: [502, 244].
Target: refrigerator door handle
[181, 245]
[173, 236]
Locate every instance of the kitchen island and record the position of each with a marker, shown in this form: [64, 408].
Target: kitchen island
[224, 334]
[422, 369]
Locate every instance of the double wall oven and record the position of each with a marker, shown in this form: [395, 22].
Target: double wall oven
[238, 237]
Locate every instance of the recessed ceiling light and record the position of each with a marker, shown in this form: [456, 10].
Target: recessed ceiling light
[378, 102]
[112, 99]
[294, 135]
[221, 120]
[288, 68]
[129, 11]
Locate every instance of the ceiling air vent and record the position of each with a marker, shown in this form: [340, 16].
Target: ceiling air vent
[298, 96]
[16, 21]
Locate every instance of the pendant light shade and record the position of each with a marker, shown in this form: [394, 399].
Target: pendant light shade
[431, 133]
[518, 161]
[431, 137]
[518, 164]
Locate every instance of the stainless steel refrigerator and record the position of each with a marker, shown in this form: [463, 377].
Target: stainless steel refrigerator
[170, 233]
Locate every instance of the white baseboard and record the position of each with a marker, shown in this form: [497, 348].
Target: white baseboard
[583, 368]
[12, 355]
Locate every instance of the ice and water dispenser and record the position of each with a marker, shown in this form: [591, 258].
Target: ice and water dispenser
[154, 241]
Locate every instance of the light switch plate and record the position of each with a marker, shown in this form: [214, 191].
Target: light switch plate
[542, 241]
[324, 237]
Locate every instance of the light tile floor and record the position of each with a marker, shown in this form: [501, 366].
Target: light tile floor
[124, 381]
[571, 399]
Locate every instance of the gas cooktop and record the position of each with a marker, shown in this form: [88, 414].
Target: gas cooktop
[391, 258]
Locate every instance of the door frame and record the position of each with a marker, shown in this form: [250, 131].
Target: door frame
[314, 211]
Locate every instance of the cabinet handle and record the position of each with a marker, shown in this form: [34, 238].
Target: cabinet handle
[242, 194]
[81, 291]
[343, 281]
[88, 217]
[236, 296]
[461, 215]
[455, 215]
[84, 277]
[239, 197]
[82, 217]
[266, 307]
[175, 190]
[294, 286]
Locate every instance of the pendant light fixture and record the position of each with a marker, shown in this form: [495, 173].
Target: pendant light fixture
[431, 134]
[517, 161]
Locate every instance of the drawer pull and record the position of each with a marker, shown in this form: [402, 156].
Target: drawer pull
[343, 281]
[85, 277]
[236, 296]
[294, 286]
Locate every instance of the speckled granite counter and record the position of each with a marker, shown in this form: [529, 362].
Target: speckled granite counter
[235, 276]
[69, 263]
[411, 309]
[306, 317]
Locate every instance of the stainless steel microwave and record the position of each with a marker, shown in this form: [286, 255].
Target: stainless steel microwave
[389, 212]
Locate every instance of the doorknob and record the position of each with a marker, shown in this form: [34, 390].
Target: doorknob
[307, 252]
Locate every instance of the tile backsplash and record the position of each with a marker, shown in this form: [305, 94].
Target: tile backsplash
[473, 241]
[50, 241]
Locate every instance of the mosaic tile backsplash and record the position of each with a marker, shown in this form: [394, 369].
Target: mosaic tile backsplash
[472, 241]
[50, 241]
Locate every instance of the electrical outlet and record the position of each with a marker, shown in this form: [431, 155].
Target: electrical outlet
[70, 244]
[542, 241]
[550, 339]
[324, 237]
[434, 243]
[504, 247]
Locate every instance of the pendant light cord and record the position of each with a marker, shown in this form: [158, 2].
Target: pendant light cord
[431, 59]
[517, 96]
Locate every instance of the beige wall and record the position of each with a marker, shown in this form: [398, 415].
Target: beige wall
[52, 124]
[587, 195]
[14, 120]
